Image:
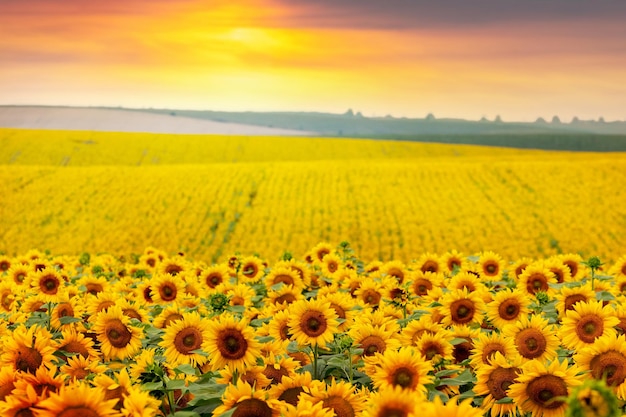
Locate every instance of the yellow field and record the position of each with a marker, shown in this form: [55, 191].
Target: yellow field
[211, 196]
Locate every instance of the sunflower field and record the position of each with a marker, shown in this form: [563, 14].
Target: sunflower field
[191, 276]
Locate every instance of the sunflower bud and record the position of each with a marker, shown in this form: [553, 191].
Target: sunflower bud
[592, 399]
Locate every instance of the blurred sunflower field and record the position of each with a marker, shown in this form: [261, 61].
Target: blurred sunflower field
[191, 276]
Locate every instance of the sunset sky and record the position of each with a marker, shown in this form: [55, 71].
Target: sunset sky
[454, 58]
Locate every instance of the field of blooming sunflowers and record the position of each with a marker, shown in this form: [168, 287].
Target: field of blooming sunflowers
[192, 276]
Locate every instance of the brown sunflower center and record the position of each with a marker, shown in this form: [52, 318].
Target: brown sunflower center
[396, 273]
[250, 270]
[93, 288]
[404, 377]
[610, 365]
[313, 323]
[5, 389]
[285, 298]
[371, 297]
[491, 268]
[284, 278]
[500, 380]
[104, 305]
[462, 350]
[462, 311]
[78, 411]
[509, 309]
[117, 333]
[213, 280]
[547, 391]
[65, 310]
[19, 277]
[49, 284]
[252, 407]
[558, 273]
[520, 269]
[531, 343]
[341, 313]
[391, 411]
[4, 266]
[171, 318]
[147, 294]
[24, 412]
[187, 340]
[341, 406]
[132, 313]
[173, 269]
[275, 375]
[589, 328]
[430, 266]
[422, 286]
[430, 350]
[572, 266]
[168, 291]
[28, 359]
[454, 262]
[290, 395]
[372, 344]
[623, 270]
[75, 347]
[232, 344]
[332, 266]
[571, 300]
[537, 282]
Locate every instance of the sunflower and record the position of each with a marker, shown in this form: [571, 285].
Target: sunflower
[373, 266]
[251, 269]
[423, 282]
[70, 308]
[79, 367]
[331, 264]
[573, 262]
[461, 307]
[166, 288]
[452, 408]
[133, 309]
[341, 397]
[144, 292]
[405, 368]
[278, 367]
[542, 388]
[24, 405]
[231, 342]
[284, 275]
[9, 292]
[138, 403]
[119, 339]
[370, 292]
[453, 261]
[214, 275]
[172, 266]
[569, 296]
[507, 306]
[536, 278]
[94, 285]
[100, 302]
[47, 283]
[436, 347]
[321, 250]
[19, 274]
[465, 280]
[395, 269]
[252, 375]
[290, 387]
[74, 342]
[27, 349]
[464, 341]
[313, 322]
[240, 295]
[518, 267]
[490, 266]
[284, 296]
[247, 402]
[534, 338]
[5, 263]
[493, 380]
[77, 400]
[487, 345]
[279, 325]
[183, 340]
[582, 325]
[559, 269]
[8, 376]
[429, 262]
[411, 334]
[606, 359]
[392, 401]
[345, 307]
[373, 339]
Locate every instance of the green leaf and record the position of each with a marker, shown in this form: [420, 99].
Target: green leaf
[152, 386]
[69, 320]
[175, 384]
[185, 369]
[505, 400]
[236, 309]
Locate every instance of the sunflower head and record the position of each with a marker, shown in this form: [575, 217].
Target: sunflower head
[592, 399]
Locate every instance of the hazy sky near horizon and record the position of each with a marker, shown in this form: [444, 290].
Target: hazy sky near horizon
[455, 58]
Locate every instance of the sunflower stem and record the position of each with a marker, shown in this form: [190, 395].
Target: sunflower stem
[315, 354]
[170, 401]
